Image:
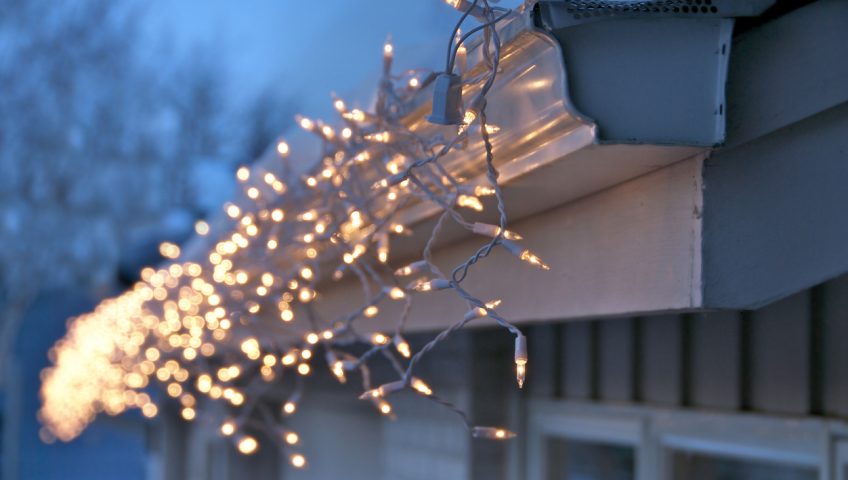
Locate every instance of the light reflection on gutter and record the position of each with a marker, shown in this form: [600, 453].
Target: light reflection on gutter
[538, 124]
[528, 102]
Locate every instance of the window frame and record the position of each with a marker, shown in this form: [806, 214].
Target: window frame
[840, 467]
[578, 422]
[656, 433]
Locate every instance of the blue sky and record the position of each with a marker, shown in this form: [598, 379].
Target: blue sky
[305, 48]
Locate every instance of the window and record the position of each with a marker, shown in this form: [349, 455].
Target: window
[580, 460]
[841, 464]
[569, 442]
[697, 466]
[584, 441]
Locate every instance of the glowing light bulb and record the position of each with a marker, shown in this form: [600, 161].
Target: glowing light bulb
[396, 293]
[385, 407]
[492, 433]
[297, 460]
[525, 255]
[484, 190]
[201, 227]
[413, 82]
[356, 115]
[338, 370]
[493, 231]
[250, 347]
[435, 284]
[379, 339]
[282, 148]
[306, 273]
[480, 311]
[473, 111]
[379, 137]
[371, 311]
[339, 105]
[306, 295]
[402, 346]
[243, 174]
[291, 438]
[347, 133]
[169, 250]
[470, 201]
[247, 445]
[520, 359]
[188, 413]
[520, 372]
[461, 56]
[304, 369]
[421, 387]
[233, 211]
[289, 408]
[306, 124]
[149, 410]
[412, 268]
[288, 359]
[532, 259]
[228, 428]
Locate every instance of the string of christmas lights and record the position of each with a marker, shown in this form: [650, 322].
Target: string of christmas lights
[186, 326]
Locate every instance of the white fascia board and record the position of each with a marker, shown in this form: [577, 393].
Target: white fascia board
[615, 225]
[624, 250]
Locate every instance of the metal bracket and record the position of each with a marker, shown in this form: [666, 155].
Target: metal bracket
[648, 72]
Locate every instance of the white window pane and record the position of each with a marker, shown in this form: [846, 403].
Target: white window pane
[696, 466]
[576, 460]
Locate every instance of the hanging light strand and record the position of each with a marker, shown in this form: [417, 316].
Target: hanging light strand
[188, 326]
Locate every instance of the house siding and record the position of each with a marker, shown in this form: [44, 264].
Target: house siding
[784, 358]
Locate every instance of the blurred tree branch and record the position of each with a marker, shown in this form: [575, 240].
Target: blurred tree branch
[96, 145]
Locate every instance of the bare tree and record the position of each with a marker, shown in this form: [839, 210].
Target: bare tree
[92, 143]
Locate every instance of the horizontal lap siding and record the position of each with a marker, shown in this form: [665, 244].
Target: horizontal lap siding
[661, 352]
[835, 346]
[615, 349]
[578, 359]
[789, 357]
[779, 370]
[715, 367]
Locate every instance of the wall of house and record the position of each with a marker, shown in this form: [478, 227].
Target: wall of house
[784, 360]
